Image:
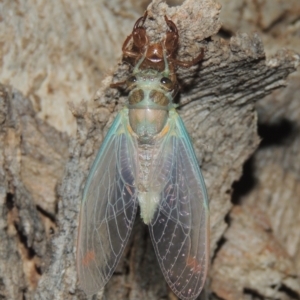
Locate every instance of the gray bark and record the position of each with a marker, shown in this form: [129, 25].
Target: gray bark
[254, 244]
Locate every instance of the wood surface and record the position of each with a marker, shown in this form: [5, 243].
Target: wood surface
[241, 109]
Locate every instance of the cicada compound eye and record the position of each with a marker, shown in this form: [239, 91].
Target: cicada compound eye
[131, 81]
[167, 83]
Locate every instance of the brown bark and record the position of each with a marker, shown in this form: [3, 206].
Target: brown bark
[64, 50]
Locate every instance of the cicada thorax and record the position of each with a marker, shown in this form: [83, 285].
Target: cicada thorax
[148, 116]
[149, 102]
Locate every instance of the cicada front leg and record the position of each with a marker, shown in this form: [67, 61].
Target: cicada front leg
[139, 37]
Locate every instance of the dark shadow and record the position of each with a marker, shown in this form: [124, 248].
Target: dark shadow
[10, 201]
[23, 239]
[290, 293]
[245, 184]
[38, 270]
[24, 291]
[225, 34]
[275, 134]
[220, 243]
[222, 240]
[46, 214]
[253, 294]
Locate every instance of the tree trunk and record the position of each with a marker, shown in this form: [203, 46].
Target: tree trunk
[56, 53]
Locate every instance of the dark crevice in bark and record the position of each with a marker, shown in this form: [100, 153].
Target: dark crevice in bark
[46, 213]
[225, 34]
[220, 243]
[254, 294]
[10, 201]
[289, 292]
[276, 134]
[245, 184]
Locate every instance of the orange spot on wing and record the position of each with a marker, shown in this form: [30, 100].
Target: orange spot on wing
[89, 256]
[195, 266]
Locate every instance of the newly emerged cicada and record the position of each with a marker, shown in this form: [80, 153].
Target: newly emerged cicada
[146, 160]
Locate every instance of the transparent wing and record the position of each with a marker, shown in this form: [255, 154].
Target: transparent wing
[179, 228]
[108, 208]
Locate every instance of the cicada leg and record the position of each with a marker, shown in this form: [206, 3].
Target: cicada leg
[140, 39]
[188, 64]
[171, 40]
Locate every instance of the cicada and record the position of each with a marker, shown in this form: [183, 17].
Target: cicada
[146, 160]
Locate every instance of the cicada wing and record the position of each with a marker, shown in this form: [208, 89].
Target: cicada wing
[179, 228]
[108, 208]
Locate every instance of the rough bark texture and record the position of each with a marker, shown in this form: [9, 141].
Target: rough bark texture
[32, 160]
[268, 192]
[57, 52]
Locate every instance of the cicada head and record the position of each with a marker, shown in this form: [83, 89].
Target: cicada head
[150, 88]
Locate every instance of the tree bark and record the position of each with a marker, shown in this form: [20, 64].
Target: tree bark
[64, 52]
